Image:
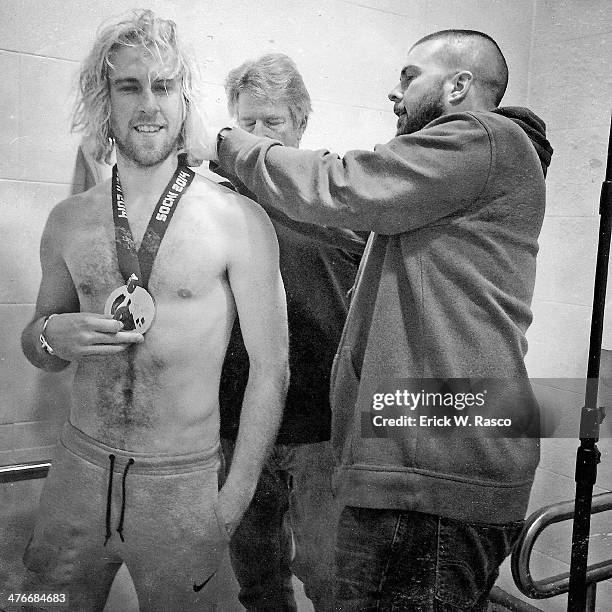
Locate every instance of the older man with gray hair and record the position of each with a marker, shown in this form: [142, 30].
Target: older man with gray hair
[293, 498]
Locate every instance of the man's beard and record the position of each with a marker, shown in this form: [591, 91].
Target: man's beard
[150, 156]
[422, 112]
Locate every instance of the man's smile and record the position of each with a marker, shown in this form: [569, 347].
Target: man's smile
[148, 128]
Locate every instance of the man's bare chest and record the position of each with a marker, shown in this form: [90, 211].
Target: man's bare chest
[188, 261]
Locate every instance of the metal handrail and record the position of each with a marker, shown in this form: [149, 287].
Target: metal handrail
[23, 471]
[534, 525]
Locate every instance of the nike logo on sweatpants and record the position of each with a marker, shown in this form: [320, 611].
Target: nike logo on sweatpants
[198, 588]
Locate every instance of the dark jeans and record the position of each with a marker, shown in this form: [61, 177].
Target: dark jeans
[289, 528]
[409, 561]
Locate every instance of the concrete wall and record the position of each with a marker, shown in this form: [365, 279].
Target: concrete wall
[350, 53]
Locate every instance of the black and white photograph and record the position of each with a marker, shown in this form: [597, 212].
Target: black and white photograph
[303, 306]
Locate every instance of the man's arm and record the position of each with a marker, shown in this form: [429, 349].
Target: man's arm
[71, 334]
[410, 182]
[336, 237]
[259, 294]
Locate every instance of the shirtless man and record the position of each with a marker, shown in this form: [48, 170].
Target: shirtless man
[135, 475]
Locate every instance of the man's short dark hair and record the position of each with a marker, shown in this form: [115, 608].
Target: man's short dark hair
[477, 52]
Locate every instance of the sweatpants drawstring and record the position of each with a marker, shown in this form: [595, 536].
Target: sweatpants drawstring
[125, 471]
[109, 494]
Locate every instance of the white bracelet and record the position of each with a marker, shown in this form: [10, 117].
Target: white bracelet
[43, 341]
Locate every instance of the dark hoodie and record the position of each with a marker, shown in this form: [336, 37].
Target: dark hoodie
[534, 127]
[443, 291]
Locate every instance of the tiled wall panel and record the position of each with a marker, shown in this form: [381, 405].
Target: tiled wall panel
[574, 179]
[47, 150]
[569, 20]
[571, 81]
[25, 208]
[566, 261]
[9, 114]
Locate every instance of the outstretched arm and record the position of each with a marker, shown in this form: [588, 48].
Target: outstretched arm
[71, 334]
[412, 181]
[259, 294]
[336, 237]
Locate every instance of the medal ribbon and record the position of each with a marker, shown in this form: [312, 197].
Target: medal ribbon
[141, 262]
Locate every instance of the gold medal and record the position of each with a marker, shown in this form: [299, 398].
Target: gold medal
[132, 305]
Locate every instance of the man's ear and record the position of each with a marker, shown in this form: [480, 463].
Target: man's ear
[302, 128]
[461, 84]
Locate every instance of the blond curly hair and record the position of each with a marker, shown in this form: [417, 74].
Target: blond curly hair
[92, 110]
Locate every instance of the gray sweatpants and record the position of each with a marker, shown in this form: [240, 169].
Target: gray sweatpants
[164, 527]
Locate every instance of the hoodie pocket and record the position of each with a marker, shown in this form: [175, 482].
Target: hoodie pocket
[344, 391]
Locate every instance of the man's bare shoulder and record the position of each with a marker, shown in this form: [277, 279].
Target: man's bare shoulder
[81, 206]
[226, 205]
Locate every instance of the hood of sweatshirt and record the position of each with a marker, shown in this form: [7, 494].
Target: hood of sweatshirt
[534, 127]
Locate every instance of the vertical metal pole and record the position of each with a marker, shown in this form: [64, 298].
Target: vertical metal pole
[591, 596]
[588, 455]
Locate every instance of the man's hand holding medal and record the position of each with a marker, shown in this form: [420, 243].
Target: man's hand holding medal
[74, 335]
